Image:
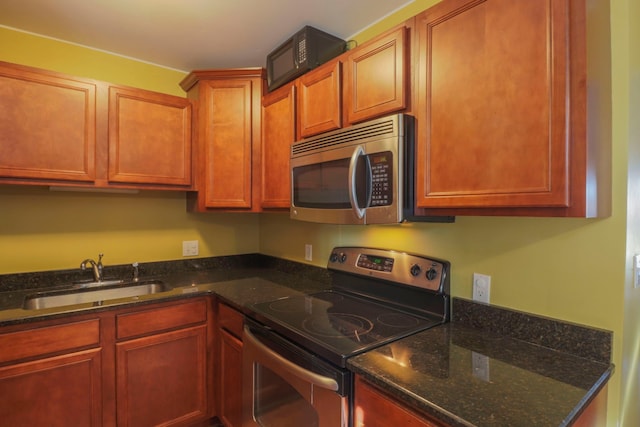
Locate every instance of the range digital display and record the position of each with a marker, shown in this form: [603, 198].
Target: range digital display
[373, 262]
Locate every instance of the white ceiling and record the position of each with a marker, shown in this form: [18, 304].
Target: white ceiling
[191, 34]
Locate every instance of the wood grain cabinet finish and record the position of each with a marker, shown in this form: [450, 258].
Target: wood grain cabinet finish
[278, 133]
[320, 100]
[161, 365]
[228, 138]
[376, 76]
[149, 137]
[161, 379]
[51, 375]
[60, 129]
[502, 109]
[229, 378]
[128, 367]
[373, 408]
[47, 126]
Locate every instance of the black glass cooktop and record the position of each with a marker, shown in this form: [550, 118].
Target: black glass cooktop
[337, 326]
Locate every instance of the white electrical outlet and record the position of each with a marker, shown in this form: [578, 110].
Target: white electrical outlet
[308, 252]
[480, 366]
[636, 271]
[481, 287]
[190, 248]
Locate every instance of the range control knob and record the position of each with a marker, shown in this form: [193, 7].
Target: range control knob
[432, 273]
[338, 257]
[415, 270]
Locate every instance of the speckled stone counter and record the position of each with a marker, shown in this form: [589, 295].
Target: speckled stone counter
[466, 374]
[488, 367]
[238, 280]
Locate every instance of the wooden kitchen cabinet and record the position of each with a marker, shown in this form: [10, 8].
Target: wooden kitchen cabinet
[57, 129]
[278, 133]
[161, 375]
[227, 150]
[149, 137]
[230, 324]
[128, 367]
[320, 100]
[47, 126]
[373, 408]
[376, 76]
[502, 108]
[51, 375]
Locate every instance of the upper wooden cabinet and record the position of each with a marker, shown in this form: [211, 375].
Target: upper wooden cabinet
[65, 130]
[320, 100]
[47, 126]
[227, 150]
[278, 133]
[376, 76]
[149, 137]
[502, 108]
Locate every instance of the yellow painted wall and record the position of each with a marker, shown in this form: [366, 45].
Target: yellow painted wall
[43, 230]
[578, 270]
[34, 51]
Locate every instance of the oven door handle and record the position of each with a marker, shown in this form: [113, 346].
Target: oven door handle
[315, 379]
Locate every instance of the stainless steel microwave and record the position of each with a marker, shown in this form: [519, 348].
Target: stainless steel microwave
[361, 174]
[303, 51]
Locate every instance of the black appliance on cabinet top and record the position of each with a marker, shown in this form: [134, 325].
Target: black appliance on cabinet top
[377, 296]
[303, 51]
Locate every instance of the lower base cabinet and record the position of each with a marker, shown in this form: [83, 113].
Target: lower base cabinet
[373, 408]
[161, 379]
[60, 391]
[130, 367]
[229, 375]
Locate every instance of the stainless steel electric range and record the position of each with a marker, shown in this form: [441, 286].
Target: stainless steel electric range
[296, 348]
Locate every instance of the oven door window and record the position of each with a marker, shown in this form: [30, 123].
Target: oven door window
[277, 403]
[326, 185]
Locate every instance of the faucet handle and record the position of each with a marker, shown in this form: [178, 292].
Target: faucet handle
[135, 271]
[100, 258]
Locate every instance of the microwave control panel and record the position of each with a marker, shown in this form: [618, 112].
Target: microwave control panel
[381, 178]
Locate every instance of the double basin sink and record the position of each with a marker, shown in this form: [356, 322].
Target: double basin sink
[94, 292]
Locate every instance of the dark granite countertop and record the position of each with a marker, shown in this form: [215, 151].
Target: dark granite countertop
[488, 367]
[492, 366]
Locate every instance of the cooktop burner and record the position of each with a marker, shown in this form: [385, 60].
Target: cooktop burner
[377, 296]
[337, 326]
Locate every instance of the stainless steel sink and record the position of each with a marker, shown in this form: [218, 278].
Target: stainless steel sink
[95, 294]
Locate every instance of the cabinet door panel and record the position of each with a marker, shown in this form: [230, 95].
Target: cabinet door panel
[492, 104]
[58, 391]
[47, 126]
[161, 379]
[230, 379]
[228, 144]
[376, 76]
[278, 133]
[320, 100]
[372, 408]
[149, 137]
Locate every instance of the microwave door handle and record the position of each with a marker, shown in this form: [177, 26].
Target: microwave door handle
[353, 166]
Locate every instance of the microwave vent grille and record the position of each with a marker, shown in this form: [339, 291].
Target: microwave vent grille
[383, 128]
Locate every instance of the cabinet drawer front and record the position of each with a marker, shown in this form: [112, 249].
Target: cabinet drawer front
[159, 319]
[49, 340]
[230, 319]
